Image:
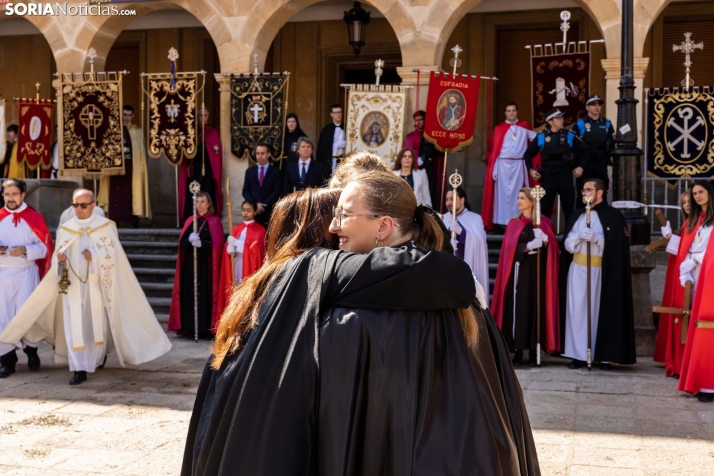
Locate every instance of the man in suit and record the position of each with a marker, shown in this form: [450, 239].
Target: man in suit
[263, 184]
[306, 172]
[331, 145]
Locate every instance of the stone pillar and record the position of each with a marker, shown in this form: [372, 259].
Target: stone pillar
[612, 84]
[233, 167]
[642, 263]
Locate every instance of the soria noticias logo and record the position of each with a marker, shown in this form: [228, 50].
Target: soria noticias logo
[92, 8]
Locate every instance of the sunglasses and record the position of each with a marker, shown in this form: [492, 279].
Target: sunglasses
[83, 205]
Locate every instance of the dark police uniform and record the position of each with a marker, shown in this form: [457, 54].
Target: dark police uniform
[598, 135]
[561, 153]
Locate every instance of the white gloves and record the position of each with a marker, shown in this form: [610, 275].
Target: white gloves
[586, 234]
[540, 235]
[455, 227]
[455, 244]
[420, 161]
[667, 230]
[684, 277]
[480, 294]
[195, 240]
[232, 241]
[687, 266]
[534, 244]
[235, 245]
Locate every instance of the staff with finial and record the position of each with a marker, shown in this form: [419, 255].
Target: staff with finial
[537, 192]
[455, 62]
[455, 181]
[229, 206]
[588, 200]
[194, 188]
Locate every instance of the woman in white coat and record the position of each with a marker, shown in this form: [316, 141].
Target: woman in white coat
[405, 167]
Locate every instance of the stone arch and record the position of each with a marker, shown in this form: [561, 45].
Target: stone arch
[646, 13]
[267, 17]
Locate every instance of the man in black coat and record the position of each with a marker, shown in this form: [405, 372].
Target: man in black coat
[331, 145]
[306, 172]
[263, 184]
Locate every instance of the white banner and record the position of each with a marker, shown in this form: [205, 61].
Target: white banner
[375, 120]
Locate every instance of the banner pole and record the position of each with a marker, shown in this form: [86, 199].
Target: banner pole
[178, 205]
[443, 182]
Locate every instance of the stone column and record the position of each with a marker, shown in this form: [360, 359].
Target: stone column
[612, 84]
[642, 263]
[233, 167]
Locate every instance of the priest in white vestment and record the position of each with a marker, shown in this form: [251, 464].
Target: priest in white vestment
[576, 317]
[470, 241]
[69, 213]
[104, 307]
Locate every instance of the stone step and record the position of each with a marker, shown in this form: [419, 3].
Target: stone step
[149, 234]
[152, 261]
[154, 289]
[155, 271]
[162, 317]
[150, 247]
[160, 305]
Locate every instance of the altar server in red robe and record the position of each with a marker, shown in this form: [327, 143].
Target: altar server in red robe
[208, 240]
[666, 351]
[506, 171]
[247, 241]
[515, 293]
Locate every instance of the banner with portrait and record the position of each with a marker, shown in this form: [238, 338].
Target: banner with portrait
[258, 108]
[679, 132]
[451, 108]
[34, 137]
[559, 81]
[375, 120]
[3, 139]
[90, 131]
[172, 116]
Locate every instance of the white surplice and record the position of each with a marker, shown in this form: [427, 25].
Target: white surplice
[238, 250]
[476, 249]
[697, 251]
[19, 275]
[510, 173]
[576, 317]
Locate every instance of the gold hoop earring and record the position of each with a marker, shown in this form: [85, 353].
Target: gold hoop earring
[376, 242]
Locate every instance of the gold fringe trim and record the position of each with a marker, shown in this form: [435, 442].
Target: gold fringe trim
[101, 342]
[79, 348]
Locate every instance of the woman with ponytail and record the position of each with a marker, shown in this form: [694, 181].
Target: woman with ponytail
[371, 362]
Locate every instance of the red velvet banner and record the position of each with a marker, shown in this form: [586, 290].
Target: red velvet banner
[451, 110]
[561, 81]
[34, 140]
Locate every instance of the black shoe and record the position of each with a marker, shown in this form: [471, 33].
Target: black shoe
[577, 364]
[705, 397]
[6, 371]
[518, 357]
[78, 378]
[605, 366]
[532, 358]
[675, 376]
[103, 363]
[33, 360]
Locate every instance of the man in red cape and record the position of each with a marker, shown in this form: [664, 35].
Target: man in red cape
[503, 131]
[215, 228]
[249, 249]
[505, 269]
[697, 371]
[209, 142]
[24, 260]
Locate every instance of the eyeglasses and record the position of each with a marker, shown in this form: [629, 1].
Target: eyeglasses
[83, 205]
[338, 215]
[10, 195]
[588, 190]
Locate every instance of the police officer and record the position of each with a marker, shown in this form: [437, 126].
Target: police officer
[598, 134]
[564, 156]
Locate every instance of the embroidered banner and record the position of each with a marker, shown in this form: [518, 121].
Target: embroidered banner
[451, 108]
[561, 81]
[680, 132]
[172, 116]
[2, 129]
[258, 109]
[90, 133]
[34, 138]
[375, 120]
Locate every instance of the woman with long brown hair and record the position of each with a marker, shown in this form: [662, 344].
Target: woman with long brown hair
[324, 365]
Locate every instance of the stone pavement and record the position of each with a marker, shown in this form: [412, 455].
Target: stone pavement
[629, 421]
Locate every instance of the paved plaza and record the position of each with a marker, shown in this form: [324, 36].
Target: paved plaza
[629, 421]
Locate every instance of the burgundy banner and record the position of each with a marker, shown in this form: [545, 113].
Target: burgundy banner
[561, 81]
[34, 140]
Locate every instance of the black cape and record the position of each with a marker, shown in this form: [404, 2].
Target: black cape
[615, 340]
[380, 384]
[324, 144]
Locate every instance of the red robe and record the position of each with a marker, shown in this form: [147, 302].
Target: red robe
[494, 150]
[253, 257]
[216, 228]
[505, 269]
[697, 370]
[669, 331]
[215, 156]
[37, 224]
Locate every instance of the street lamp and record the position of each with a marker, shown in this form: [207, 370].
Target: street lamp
[357, 19]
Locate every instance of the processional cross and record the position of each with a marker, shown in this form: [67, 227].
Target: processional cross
[455, 61]
[91, 117]
[688, 48]
[378, 65]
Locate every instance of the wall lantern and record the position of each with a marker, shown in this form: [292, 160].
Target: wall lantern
[357, 20]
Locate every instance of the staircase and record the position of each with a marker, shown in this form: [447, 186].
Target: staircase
[152, 254]
[493, 242]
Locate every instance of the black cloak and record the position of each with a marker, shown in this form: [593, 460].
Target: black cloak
[380, 384]
[615, 340]
[324, 144]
